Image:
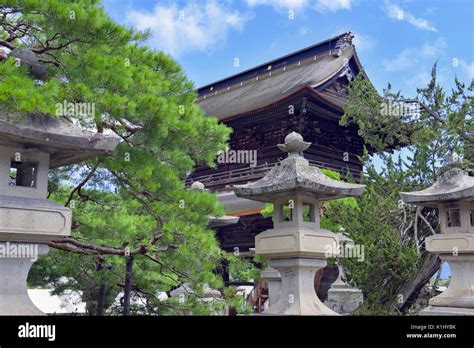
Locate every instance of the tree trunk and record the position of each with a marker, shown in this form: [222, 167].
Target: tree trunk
[411, 290]
[101, 301]
[128, 286]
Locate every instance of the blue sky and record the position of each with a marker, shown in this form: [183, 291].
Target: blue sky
[397, 41]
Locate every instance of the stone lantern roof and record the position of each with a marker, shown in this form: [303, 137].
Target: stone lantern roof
[223, 220]
[453, 185]
[295, 175]
[215, 221]
[65, 142]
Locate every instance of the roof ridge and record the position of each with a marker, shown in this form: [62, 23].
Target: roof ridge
[270, 73]
[339, 45]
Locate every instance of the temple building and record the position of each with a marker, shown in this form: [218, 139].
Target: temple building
[304, 91]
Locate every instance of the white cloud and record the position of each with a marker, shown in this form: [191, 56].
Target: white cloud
[298, 5]
[396, 12]
[433, 50]
[198, 26]
[333, 5]
[411, 56]
[303, 31]
[468, 68]
[405, 59]
[362, 42]
[295, 5]
[420, 79]
[423, 77]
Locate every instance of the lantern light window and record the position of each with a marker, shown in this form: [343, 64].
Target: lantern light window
[453, 218]
[23, 174]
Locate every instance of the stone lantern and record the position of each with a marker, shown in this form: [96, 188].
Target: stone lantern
[29, 147]
[296, 247]
[215, 221]
[453, 195]
[342, 297]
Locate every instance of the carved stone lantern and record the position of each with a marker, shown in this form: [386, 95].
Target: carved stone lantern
[296, 246]
[453, 195]
[29, 147]
[342, 297]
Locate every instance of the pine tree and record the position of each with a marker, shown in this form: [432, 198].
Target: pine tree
[131, 207]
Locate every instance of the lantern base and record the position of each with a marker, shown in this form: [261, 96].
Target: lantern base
[344, 300]
[440, 311]
[298, 296]
[273, 278]
[16, 260]
[460, 292]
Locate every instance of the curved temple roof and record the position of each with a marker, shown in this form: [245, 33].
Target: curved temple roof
[453, 185]
[270, 82]
[295, 175]
[65, 142]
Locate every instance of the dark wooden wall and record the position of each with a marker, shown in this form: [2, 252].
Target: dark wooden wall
[263, 130]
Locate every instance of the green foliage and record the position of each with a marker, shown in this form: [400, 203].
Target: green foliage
[433, 120]
[241, 269]
[392, 233]
[134, 198]
[388, 263]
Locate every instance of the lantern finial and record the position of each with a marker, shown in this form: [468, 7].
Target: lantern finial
[294, 144]
[197, 186]
[454, 159]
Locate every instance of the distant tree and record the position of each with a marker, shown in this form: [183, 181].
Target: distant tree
[430, 127]
[136, 228]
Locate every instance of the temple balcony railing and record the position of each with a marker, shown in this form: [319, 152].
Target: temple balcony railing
[220, 181]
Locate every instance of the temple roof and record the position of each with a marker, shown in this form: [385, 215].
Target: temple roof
[453, 185]
[314, 67]
[65, 142]
[294, 175]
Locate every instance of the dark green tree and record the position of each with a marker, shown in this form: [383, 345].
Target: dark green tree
[136, 228]
[430, 127]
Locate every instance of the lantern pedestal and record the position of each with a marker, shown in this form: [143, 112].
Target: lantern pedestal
[343, 298]
[16, 260]
[26, 225]
[298, 296]
[458, 299]
[273, 278]
[437, 311]
[296, 254]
